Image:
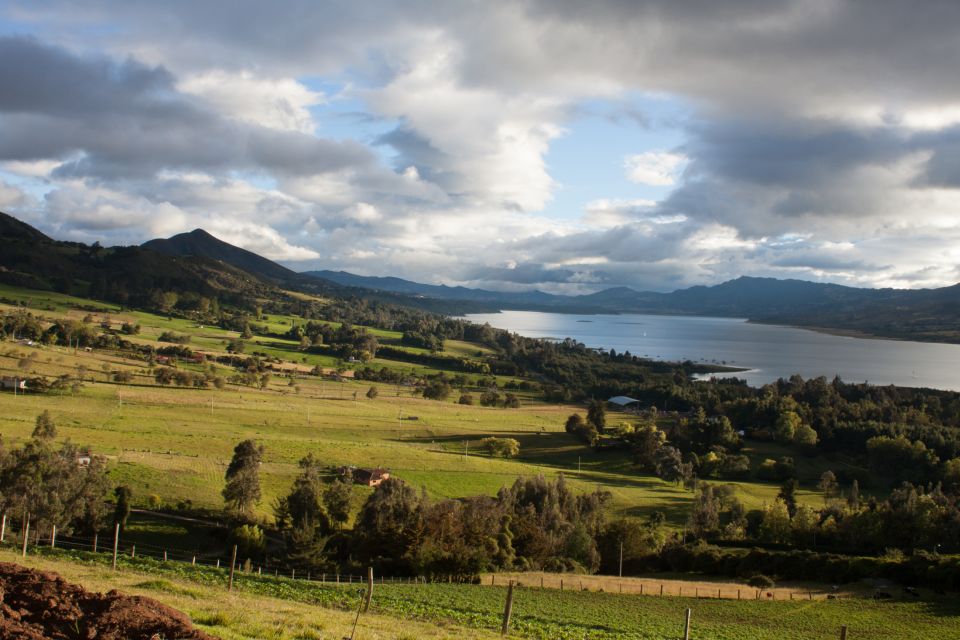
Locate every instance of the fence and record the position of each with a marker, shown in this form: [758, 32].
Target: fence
[20, 539]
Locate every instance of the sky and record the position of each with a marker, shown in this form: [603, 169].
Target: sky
[543, 144]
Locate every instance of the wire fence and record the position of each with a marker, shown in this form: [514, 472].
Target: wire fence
[13, 538]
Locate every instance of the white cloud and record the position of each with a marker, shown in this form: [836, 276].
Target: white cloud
[657, 168]
[277, 103]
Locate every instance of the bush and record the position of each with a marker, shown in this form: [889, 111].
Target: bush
[466, 398]
[437, 390]
[501, 447]
[761, 581]
[176, 338]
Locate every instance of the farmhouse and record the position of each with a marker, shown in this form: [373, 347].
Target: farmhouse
[369, 477]
[13, 384]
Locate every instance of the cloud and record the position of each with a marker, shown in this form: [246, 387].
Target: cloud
[819, 139]
[276, 103]
[657, 168]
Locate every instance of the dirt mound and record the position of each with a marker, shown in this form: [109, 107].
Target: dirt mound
[35, 605]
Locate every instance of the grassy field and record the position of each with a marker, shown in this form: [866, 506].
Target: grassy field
[171, 445]
[269, 607]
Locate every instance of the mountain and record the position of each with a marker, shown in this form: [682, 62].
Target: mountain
[199, 265]
[13, 229]
[443, 292]
[919, 314]
[127, 275]
[200, 243]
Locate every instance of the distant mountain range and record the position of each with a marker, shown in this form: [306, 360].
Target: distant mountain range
[197, 262]
[919, 314]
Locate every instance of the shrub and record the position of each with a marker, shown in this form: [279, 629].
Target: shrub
[501, 447]
[761, 581]
[466, 398]
[176, 338]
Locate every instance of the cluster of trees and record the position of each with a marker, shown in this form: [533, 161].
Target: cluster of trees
[52, 485]
[534, 524]
[911, 517]
[346, 340]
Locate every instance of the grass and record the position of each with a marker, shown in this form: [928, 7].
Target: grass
[268, 607]
[174, 443]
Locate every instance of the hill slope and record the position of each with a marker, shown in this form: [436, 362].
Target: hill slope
[200, 243]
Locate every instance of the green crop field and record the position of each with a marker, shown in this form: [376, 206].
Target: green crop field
[475, 611]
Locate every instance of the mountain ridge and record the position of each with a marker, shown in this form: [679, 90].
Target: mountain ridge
[199, 261]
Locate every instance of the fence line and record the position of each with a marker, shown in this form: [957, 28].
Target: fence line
[564, 582]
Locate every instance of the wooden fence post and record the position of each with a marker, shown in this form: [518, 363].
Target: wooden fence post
[686, 627]
[661, 588]
[233, 566]
[3, 528]
[193, 560]
[507, 610]
[164, 555]
[26, 534]
[366, 602]
[133, 551]
[843, 632]
[116, 543]
[53, 537]
[95, 536]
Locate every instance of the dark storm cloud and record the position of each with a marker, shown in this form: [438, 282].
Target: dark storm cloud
[122, 120]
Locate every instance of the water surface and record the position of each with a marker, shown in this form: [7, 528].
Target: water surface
[767, 352]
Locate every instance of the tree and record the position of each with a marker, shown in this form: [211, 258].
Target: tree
[50, 486]
[853, 498]
[121, 512]
[775, 526]
[828, 485]
[489, 398]
[671, 467]
[250, 540]
[243, 477]
[705, 516]
[805, 436]
[437, 390]
[646, 442]
[45, 429]
[597, 415]
[788, 494]
[951, 474]
[574, 424]
[390, 523]
[786, 426]
[301, 517]
[336, 500]
[501, 447]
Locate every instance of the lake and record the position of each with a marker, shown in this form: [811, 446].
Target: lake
[767, 352]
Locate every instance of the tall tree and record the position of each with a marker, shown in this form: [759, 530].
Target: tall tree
[242, 490]
[121, 512]
[45, 428]
[788, 494]
[336, 499]
[597, 415]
